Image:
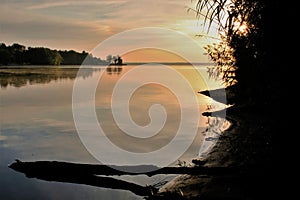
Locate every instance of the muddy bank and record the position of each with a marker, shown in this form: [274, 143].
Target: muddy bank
[247, 145]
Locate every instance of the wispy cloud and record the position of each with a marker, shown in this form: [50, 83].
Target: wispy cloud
[82, 25]
[45, 5]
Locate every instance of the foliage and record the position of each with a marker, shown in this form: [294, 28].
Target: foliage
[17, 54]
[240, 57]
[41, 56]
[221, 54]
[9, 54]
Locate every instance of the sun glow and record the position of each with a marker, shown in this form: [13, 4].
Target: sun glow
[241, 29]
[197, 30]
[190, 26]
[152, 55]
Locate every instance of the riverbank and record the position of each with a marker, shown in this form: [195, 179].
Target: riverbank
[248, 146]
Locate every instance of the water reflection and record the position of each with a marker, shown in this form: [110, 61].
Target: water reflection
[103, 176]
[19, 77]
[114, 69]
[37, 124]
[215, 127]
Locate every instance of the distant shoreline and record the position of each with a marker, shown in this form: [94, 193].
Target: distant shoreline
[12, 66]
[169, 63]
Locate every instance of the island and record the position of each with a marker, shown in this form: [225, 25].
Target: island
[115, 60]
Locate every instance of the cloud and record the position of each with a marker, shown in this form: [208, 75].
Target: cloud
[45, 5]
[81, 25]
[40, 29]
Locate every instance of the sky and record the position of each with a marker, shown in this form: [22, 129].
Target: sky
[83, 25]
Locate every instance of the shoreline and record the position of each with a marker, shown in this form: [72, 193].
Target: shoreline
[247, 145]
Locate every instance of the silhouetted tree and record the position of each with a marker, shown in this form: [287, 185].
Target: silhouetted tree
[5, 55]
[119, 60]
[72, 57]
[18, 47]
[42, 56]
[242, 57]
[115, 59]
[109, 58]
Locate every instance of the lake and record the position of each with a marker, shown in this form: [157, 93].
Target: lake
[45, 116]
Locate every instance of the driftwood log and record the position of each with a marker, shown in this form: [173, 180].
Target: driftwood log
[96, 175]
[32, 169]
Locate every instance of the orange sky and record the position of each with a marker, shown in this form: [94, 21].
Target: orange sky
[152, 55]
[83, 25]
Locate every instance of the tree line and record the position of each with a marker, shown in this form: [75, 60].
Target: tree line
[17, 54]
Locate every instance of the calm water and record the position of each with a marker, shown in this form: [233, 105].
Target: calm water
[37, 124]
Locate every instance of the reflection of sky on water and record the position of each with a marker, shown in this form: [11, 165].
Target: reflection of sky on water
[37, 124]
[45, 142]
[212, 133]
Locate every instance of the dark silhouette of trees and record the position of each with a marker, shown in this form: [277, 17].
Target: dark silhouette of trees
[244, 56]
[17, 54]
[5, 55]
[42, 56]
[72, 57]
[11, 54]
[114, 60]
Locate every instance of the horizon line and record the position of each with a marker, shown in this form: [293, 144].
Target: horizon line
[158, 62]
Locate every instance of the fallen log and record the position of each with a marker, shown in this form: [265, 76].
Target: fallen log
[33, 169]
[79, 174]
[96, 175]
[65, 168]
